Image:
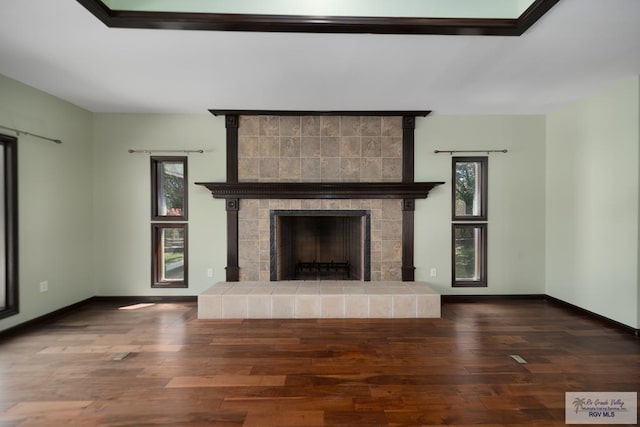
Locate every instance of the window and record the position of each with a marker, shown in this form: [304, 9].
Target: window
[469, 258]
[169, 195]
[169, 248]
[169, 258]
[469, 215]
[8, 226]
[469, 198]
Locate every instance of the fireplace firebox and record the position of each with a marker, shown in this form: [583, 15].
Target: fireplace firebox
[320, 245]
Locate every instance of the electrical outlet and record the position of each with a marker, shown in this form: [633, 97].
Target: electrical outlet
[44, 286]
[434, 272]
[209, 272]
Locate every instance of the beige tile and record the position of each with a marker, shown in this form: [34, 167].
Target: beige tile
[371, 169]
[329, 126]
[404, 306]
[380, 306]
[249, 250]
[372, 147]
[210, 307]
[350, 147]
[310, 168]
[391, 250]
[330, 169]
[259, 307]
[248, 229]
[330, 289]
[234, 306]
[428, 306]
[332, 306]
[263, 289]
[310, 146]
[285, 290]
[282, 306]
[248, 146]
[269, 146]
[217, 289]
[290, 126]
[290, 169]
[392, 126]
[350, 125]
[330, 147]
[249, 126]
[249, 209]
[391, 147]
[269, 168]
[269, 126]
[391, 210]
[307, 306]
[371, 126]
[248, 169]
[350, 169]
[308, 289]
[392, 169]
[391, 229]
[289, 146]
[356, 306]
[391, 271]
[310, 125]
[312, 204]
[240, 290]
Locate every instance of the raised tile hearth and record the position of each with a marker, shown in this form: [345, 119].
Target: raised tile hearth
[318, 299]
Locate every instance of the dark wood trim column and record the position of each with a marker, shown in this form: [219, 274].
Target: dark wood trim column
[408, 269]
[408, 141]
[232, 123]
[408, 205]
[233, 268]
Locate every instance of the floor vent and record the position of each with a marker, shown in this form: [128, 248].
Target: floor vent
[518, 358]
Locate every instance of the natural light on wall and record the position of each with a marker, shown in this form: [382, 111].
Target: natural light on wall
[502, 9]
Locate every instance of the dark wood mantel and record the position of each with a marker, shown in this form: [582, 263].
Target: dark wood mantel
[233, 191]
[319, 190]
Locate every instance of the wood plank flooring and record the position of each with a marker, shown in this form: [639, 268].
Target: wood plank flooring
[181, 371]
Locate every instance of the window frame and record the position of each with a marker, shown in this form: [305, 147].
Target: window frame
[156, 253]
[156, 162]
[481, 257]
[10, 195]
[483, 184]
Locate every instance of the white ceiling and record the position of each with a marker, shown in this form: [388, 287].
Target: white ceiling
[576, 49]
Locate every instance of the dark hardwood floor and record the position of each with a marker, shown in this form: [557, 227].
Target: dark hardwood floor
[181, 371]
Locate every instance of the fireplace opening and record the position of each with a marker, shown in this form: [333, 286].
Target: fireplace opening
[320, 245]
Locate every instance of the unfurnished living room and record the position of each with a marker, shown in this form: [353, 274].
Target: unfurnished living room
[319, 213]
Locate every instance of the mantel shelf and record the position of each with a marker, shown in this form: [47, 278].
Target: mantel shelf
[319, 190]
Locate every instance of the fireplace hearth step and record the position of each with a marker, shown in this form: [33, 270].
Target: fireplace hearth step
[318, 299]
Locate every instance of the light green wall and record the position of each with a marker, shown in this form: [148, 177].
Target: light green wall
[592, 203]
[54, 199]
[516, 200]
[122, 230]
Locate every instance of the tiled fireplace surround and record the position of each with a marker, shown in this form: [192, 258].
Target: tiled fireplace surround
[320, 149]
[317, 149]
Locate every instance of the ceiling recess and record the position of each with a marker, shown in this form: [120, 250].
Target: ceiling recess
[487, 21]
